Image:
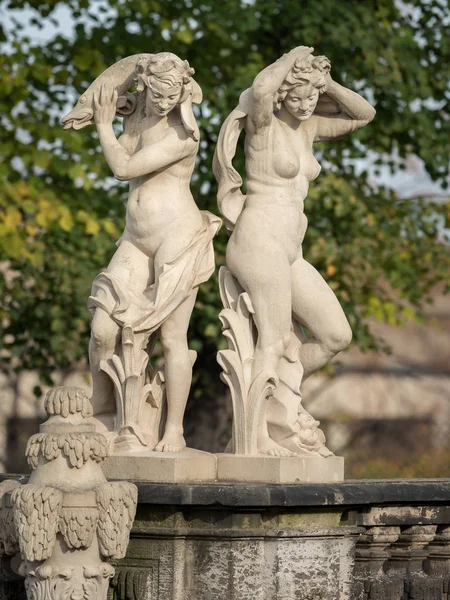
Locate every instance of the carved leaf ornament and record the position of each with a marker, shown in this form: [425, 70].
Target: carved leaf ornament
[37, 514]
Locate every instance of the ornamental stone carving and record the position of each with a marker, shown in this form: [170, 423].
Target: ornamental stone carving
[68, 520]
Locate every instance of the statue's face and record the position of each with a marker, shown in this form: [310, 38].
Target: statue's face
[162, 97]
[301, 101]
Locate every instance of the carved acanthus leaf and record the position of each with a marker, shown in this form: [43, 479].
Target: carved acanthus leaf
[9, 542]
[248, 397]
[117, 507]
[78, 526]
[48, 582]
[78, 448]
[126, 372]
[36, 516]
[67, 400]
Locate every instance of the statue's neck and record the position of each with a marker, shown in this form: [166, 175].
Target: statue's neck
[286, 117]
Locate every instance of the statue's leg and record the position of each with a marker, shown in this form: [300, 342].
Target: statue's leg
[105, 336]
[263, 270]
[315, 306]
[265, 274]
[178, 374]
[135, 270]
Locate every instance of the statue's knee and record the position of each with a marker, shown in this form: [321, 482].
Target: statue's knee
[103, 331]
[173, 341]
[339, 339]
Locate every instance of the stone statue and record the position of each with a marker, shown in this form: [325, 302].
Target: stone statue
[269, 291]
[149, 288]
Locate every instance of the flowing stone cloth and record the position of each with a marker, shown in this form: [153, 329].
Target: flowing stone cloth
[173, 284]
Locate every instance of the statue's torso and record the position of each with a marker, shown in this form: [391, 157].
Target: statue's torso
[161, 201]
[279, 165]
[279, 160]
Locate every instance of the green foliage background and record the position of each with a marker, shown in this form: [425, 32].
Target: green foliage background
[60, 213]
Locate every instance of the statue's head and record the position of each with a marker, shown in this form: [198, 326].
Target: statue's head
[167, 80]
[305, 82]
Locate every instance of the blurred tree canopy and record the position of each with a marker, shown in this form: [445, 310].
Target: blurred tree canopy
[60, 211]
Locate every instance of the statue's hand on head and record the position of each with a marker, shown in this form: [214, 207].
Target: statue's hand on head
[105, 105]
[301, 51]
[323, 64]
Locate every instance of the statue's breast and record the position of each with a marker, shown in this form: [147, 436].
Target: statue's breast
[286, 162]
[292, 153]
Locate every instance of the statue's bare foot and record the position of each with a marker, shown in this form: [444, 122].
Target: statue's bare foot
[273, 449]
[171, 442]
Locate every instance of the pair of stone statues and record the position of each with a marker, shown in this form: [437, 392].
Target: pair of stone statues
[270, 293]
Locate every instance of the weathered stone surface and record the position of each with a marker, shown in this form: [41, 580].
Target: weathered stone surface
[246, 554]
[408, 492]
[366, 540]
[279, 469]
[170, 467]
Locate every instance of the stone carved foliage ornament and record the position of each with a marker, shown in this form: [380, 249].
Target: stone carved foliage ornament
[149, 288]
[68, 520]
[282, 321]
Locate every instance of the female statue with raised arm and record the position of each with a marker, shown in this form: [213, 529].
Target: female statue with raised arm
[149, 288]
[291, 104]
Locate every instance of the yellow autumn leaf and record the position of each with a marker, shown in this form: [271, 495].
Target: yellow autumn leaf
[409, 313]
[371, 219]
[23, 188]
[13, 246]
[83, 216]
[35, 258]
[92, 227]
[331, 270]
[31, 229]
[66, 219]
[12, 218]
[110, 227]
[46, 214]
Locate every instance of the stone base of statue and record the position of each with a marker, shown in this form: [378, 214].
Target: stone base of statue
[275, 469]
[354, 540]
[191, 466]
[162, 467]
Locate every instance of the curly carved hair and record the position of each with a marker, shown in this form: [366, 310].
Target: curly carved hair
[310, 70]
[165, 67]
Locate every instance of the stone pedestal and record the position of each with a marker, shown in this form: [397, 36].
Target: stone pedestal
[231, 548]
[67, 521]
[191, 466]
[274, 469]
[352, 540]
[162, 467]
